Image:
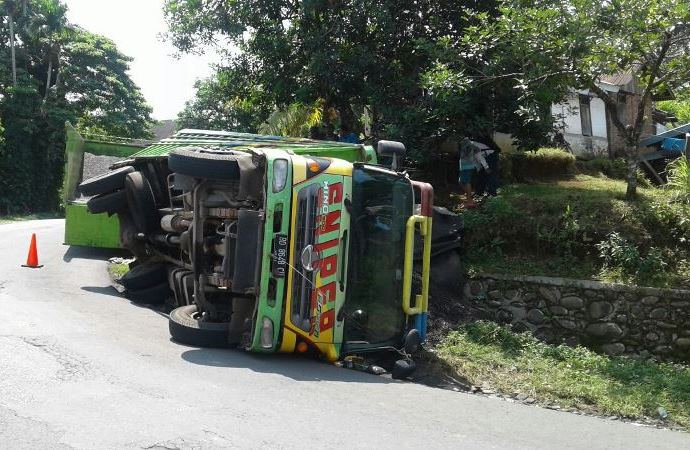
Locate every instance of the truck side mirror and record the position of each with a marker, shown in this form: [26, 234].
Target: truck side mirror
[392, 149]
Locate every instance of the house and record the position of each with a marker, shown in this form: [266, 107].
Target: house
[585, 122]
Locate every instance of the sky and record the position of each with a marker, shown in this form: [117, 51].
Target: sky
[134, 25]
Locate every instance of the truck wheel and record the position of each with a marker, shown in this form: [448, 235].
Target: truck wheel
[198, 163]
[155, 295]
[144, 276]
[186, 327]
[447, 272]
[142, 203]
[111, 203]
[108, 182]
[402, 369]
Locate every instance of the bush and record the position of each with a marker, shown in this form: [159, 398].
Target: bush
[545, 163]
[612, 168]
[623, 261]
[679, 178]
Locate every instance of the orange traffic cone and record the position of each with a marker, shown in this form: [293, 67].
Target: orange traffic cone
[32, 260]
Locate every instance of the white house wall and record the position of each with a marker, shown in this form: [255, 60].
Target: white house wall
[598, 111]
[568, 113]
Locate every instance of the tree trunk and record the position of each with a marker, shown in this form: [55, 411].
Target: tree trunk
[12, 50]
[50, 76]
[633, 157]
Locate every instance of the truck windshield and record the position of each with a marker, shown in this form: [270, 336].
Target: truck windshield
[382, 202]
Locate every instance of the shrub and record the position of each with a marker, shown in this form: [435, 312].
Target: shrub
[679, 178]
[623, 261]
[545, 163]
[612, 168]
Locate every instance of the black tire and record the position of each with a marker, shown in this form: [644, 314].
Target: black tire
[108, 182]
[402, 369]
[447, 272]
[200, 163]
[142, 203]
[144, 276]
[111, 203]
[155, 295]
[187, 329]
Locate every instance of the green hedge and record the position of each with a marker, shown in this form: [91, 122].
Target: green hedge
[612, 168]
[545, 163]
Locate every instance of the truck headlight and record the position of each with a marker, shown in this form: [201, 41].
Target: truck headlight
[280, 174]
[267, 333]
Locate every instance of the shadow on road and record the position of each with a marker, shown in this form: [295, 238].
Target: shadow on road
[298, 369]
[105, 290]
[101, 254]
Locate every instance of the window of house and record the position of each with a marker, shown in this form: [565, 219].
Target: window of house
[585, 115]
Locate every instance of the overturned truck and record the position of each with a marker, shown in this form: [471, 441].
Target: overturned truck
[276, 245]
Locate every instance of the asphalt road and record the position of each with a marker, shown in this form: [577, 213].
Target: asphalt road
[81, 367]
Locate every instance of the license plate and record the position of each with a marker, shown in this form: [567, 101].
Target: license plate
[280, 254]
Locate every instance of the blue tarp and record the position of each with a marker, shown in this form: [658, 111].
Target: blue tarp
[672, 147]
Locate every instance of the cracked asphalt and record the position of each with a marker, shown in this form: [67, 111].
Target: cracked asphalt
[81, 367]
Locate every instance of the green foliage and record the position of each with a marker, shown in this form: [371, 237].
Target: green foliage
[679, 108]
[226, 101]
[623, 261]
[612, 168]
[487, 353]
[118, 270]
[396, 59]
[545, 163]
[565, 44]
[679, 178]
[293, 121]
[64, 74]
[553, 228]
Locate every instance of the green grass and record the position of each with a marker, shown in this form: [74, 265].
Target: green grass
[37, 216]
[117, 270]
[488, 354]
[555, 228]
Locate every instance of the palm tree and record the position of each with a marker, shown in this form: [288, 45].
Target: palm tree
[293, 121]
[10, 7]
[48, 28]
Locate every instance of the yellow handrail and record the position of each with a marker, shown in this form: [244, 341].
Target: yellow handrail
[421, 301]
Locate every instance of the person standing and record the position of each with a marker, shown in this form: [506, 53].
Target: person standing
[488, 168]
[466, 166]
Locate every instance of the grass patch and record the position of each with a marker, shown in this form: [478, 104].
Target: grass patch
[564, 228]
[118, 270]
[486, 353]
[37, 216]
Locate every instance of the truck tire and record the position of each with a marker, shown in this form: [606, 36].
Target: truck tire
[447, 272]
[107, 182]
[155, 295]
[111, 203]
[186, 328]
[198, 163]
[144, 276]
[142, 203]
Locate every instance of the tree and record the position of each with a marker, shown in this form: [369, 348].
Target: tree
[351, 54]
[62, 73]
[10, 9]
[574, 43]
[294, 121]
[229, 100]
[98, 88]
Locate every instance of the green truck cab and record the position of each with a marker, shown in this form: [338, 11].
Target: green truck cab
[275, 244]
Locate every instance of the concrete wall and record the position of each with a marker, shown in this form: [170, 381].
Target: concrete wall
[614, 319]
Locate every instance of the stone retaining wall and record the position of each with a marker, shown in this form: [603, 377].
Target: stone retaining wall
[611, 318]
